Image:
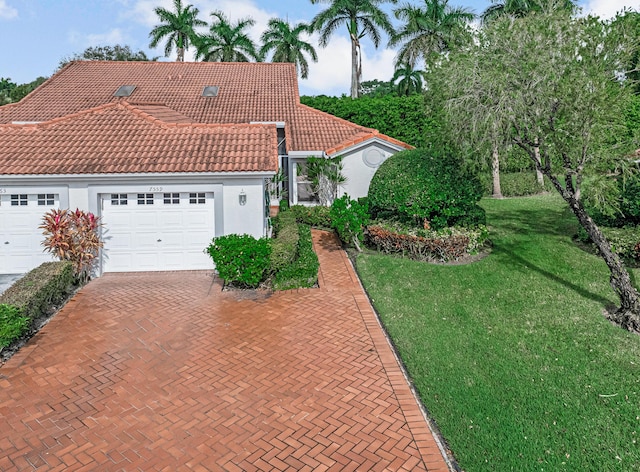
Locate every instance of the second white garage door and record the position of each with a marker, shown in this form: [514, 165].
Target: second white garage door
[157, 231]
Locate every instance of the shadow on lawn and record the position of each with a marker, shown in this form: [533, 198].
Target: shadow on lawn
[530, 222]
[524, 263]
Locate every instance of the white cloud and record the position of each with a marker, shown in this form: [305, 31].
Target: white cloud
[112, 37]
[7, 12]
[608, 8]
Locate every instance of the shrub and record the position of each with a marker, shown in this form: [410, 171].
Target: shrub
[303, 272]
[73, 236]
[284, 246]
[448, 244]
[426, 186]
[624, 241]
[348, 218]
[44, 286]
[240, 260]
[515, 184]
[315, 216]
[12, 325]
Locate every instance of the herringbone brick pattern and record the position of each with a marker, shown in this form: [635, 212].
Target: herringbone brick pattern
[166, 372]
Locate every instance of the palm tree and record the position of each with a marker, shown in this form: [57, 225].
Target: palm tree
[177, 26]
[227, 42]
[429, 30]
[287, 45]
[410, 79]
[362, 18]
[520, 8]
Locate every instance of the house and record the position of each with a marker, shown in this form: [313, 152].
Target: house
[169, 154]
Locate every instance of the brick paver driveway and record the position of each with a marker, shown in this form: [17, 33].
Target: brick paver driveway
[166, 372]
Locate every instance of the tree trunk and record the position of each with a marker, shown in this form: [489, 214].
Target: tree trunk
[180, 57]
[354, 67]
[628, 315]
[539, 175]
[495, 173]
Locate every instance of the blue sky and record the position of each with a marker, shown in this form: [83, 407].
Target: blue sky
[37, 34]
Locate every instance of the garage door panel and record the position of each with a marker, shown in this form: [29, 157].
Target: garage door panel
[158, 236]
[20, 238]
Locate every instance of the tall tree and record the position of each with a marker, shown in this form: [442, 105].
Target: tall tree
[409, 79]
[177, 27]
[287, 45]
[520, 8]
[226, 42]
[558, 91]
[108, 53]
[429, 31]
[362, 18]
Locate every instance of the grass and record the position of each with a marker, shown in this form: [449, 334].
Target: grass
[512, 355]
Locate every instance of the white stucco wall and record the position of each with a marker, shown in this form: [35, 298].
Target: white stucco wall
[360, 164]
[247, 219]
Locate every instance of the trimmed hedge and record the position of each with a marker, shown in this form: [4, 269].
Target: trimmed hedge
[426, 187]
[515, 184]
[448, 244]
[314, 216]
[240, 260]
[284, 246]
[303, 272]
[46, 285]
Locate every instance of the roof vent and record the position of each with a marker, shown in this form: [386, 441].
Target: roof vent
[210, 91]
[124, 91]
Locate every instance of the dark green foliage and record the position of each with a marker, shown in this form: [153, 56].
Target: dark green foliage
[515, 184]
[403, 118]
[627, 204]
[241, 260]
[21, 91]
[428, 188]
[624, 241]
[44, 286]
[315, 216]
[303, 272]
[349, 218]
[284, 246]
[12, 325]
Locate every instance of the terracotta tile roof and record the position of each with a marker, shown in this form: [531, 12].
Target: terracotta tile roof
[122, 138]
[248, 92]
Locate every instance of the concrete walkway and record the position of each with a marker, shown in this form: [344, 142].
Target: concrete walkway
[163, 371]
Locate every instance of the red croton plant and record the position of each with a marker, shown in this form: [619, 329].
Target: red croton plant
[73, 236]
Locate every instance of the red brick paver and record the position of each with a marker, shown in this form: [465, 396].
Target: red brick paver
[166, 372]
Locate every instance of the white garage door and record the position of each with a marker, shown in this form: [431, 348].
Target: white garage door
[157, 231]
[20, 239]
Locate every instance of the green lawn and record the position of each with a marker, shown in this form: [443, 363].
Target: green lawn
[512, 355]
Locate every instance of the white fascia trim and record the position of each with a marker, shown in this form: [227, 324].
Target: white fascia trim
[366, 143]
[130, 176]
[25, 122]
[279, 124]
[303, 154]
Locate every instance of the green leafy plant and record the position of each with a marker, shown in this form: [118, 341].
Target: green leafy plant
[445, 245]
[303, 272]
[284, 245]
[73, 236]
[326, 176]
[427, 187]
[13, 325]
[348, 218]
[241, 260]
[315, 216]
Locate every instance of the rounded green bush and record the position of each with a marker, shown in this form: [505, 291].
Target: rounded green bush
[426, 185]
